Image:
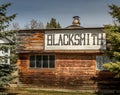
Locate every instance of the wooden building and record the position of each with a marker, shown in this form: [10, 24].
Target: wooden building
[64, 58]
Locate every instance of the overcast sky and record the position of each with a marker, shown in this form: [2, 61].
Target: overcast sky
[93, 13]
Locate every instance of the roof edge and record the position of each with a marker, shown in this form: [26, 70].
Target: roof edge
[62, 29]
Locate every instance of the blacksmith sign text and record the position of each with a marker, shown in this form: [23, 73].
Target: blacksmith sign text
[75, 40]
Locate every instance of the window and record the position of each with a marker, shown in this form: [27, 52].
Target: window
[52, 61]
[5, 51]
[42, 61]
[4, 61]
[32, 61]
[45, 61]
[38, 61]
[100, 60]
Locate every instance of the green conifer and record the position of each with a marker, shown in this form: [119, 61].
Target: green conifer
[6, 70]
[53, 24]
[113, 42]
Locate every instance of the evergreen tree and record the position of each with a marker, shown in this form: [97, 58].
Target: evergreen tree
[115, 12]
[113, 38]
[58, 25]
[6, 70]
[48, 25]
[53, 24]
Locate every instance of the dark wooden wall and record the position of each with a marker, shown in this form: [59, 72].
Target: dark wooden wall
[70, 69]
[73, 69]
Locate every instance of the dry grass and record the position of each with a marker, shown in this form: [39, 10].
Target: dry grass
[24, 91]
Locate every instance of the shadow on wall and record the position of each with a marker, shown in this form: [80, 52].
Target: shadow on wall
[106, 83]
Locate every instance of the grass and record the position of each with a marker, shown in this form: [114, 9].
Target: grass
[59, 93]
[40, 92]
[24, 91]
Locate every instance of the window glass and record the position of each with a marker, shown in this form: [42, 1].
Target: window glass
[38, 60]
[100, 60]
[2, 61]
[45, 61]
[6, 61]
[52, 61]
[32, 61]
[32, 58]
[6, 50]
[42, 61]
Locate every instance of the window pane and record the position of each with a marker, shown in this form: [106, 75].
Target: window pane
[45, 61]
[2, 61]
[6, 50]
[6, 61]
[106, 59]
[38, 61]
[32, 61]
[100, 60]
[52, 61]
[32, 58]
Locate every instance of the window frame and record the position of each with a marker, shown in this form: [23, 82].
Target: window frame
[41, 67]
[5, 61]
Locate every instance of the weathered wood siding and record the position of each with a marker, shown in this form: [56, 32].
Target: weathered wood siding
[70, 69]
[34, 41]
[75, 71]
[30, 41]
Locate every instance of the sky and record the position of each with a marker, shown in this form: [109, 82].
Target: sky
[92, 13]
